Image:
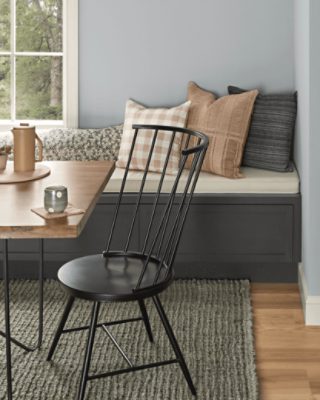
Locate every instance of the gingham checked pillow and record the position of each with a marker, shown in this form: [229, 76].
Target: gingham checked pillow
[138, 114]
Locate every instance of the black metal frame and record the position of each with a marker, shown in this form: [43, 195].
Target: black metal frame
[159, 248]
[7, 334]
[85, 376]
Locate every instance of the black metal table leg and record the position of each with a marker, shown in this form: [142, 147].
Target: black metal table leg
[7, 317]
[40, 277]
[7, 334]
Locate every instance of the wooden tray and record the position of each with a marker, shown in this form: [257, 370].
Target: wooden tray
[9, 176]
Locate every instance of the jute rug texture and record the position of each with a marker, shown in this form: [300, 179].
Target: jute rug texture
[212, 321]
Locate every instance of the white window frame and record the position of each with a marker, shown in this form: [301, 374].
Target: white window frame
[70, 69]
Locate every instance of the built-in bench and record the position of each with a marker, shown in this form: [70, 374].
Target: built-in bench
[241, 228]
[247, 227]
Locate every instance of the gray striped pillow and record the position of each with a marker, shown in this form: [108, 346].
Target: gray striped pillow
[269, 142]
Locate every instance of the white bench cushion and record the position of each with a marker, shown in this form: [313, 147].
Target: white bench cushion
[254, 181]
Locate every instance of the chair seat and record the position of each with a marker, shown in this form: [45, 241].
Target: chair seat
[111, 278]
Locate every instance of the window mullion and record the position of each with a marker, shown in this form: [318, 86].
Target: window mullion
[38, 54]
[13, 58]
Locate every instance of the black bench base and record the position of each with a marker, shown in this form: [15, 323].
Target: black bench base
[226, 236]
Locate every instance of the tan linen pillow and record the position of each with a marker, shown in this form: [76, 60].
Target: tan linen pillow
[226, 122]
[138, 114]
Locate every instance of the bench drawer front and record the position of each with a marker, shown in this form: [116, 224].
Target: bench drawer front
[239, 233]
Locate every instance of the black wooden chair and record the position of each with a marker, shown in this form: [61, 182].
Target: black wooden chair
[144, 272]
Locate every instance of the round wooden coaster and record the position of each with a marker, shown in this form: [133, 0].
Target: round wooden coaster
[10, 176]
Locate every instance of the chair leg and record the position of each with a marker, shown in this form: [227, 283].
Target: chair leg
[61, 325]
[87, 357]
[174, 344]
[146, 319]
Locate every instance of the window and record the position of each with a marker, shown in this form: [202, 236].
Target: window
[38, 62]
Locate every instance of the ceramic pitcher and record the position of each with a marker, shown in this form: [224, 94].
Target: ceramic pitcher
[24, 146]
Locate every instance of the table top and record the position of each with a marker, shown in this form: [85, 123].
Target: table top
[85, 181]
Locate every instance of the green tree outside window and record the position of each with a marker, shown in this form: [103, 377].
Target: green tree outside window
[37, 58]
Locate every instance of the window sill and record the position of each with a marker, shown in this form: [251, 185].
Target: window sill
[6, 126]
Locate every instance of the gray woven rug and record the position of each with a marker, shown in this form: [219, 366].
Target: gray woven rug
[212, 321]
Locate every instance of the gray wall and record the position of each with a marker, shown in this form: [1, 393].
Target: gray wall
[148, 50]
[307, 143]
[314, 154]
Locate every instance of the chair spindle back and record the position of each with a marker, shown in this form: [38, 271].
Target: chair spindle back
[169, 210]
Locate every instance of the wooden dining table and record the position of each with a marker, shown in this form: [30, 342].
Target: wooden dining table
[85, 181]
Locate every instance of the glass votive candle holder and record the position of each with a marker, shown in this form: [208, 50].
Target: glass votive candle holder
[55, 199]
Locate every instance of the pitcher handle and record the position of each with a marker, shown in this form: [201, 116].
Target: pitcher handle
[40, 144]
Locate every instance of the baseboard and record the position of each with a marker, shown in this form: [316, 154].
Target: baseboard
[310, 304]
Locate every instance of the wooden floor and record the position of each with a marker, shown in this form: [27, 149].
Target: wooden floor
[288, 352]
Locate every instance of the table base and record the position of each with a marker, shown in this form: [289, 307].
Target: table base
[7, 334]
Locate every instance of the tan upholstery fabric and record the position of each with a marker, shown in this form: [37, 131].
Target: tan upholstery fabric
[138, 114]
[254, 181]
[226, 122]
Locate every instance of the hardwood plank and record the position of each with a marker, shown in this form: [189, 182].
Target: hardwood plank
[284, 385]
[288, 352]
[85, 181]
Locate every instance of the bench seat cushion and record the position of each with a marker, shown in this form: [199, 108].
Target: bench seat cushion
[254, 181]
